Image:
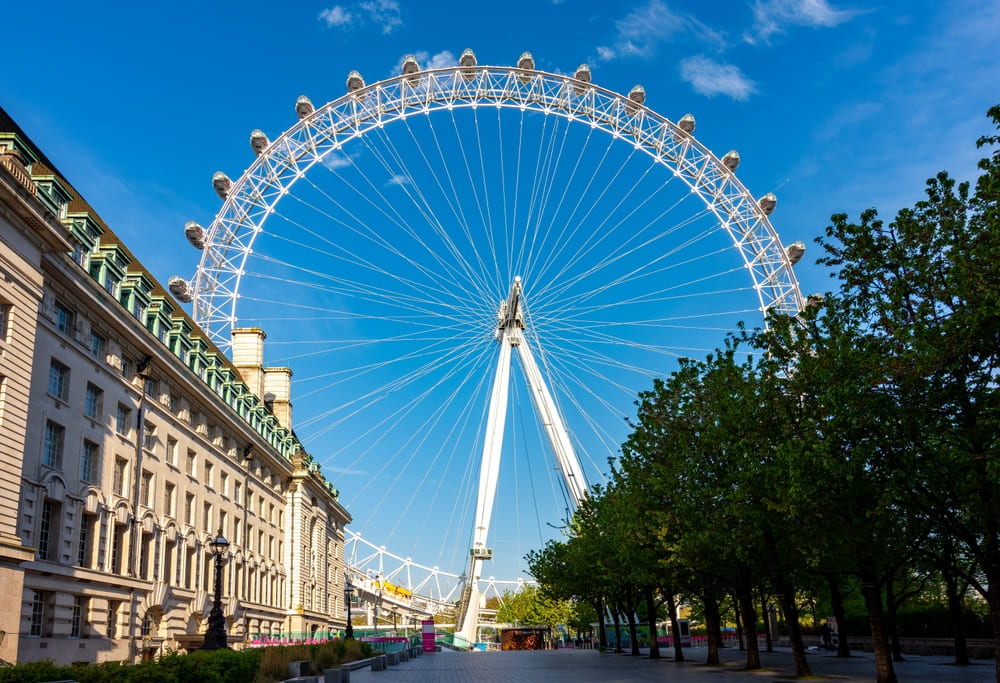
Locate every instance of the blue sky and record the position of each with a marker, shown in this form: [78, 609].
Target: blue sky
[835, 106]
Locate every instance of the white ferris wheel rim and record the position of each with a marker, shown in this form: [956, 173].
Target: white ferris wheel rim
[252, 198]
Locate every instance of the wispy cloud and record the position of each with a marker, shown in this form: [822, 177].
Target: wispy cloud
[383, 14]
[775, 16]
[399, 180]
[426, 60]
[643, 30]
[710, 78]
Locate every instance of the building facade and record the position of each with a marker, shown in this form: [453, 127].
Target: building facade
[129, 442]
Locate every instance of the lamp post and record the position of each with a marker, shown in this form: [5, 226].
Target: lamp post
[378, 601]
[348, 596]
[215, 636]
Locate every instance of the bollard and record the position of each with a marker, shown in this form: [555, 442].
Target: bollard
[392, 658]
[404, 655]
[378, 663]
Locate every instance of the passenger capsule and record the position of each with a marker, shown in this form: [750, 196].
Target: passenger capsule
[795, 251]
[258, 141]
[354, 82]
[410, 67]
[767, 203]
[731, 160]
[304, 107]
[222, 184]
[526, 62]
[637, 95]
[180, 289]
[195, 234]
[686, 124]
[468, 59]
[583, 75]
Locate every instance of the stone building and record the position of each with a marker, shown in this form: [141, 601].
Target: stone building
[128, 441]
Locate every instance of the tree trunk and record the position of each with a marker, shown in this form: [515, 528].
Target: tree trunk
[749, 625]
[654, 644]
[885, 673]
[955, 609]
[633, 632]
[837, 599]
[891, 624]
[602, 627]
[786, 598]
[769, 644]
[675, 628]
[713, 629]
[618, 627]
[739, 624]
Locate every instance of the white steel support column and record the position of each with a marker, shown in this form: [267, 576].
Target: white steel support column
[509, 335]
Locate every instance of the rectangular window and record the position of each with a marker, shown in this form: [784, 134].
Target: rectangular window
[194, 417]
[223, 519]
[172, 451]
[149, 437]
[38, 601]
[192, 462]
[5, 318]
[89, 458]
[152, 388]
[119, 483]
[64, 319]
[43, 531]
[53, 447]
[207, 517]
[224, 483]
[58, 380]
[75, 619]
[123, 419]
[111, 283]
[237, 491]
[97, 345]
[189, 509]
[93, 402]
[117, 542]
[83, 549]
[146, 488]
[175, 404]
[126, 368]
[209, 472]
[169, 498]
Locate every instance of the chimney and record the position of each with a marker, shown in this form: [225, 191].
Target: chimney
[278, 394]
[248, 357]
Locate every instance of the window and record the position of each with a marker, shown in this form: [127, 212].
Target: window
[146, 488]
[189, 509]
[175, 404]
[209, 471]
[97, 345]
[117, 542]
[46, 535]
[93, 403]
[75, 619]
[224, 483]
[126, 368]
[152, 388]
[123, 418]
[5, 318]
[194, 417]
[223, 521]
[192, 462]
[237, 491]
[172, 451]
[119, 483]
[89, 459]
[149, 436]
[64, 318]
[111, 283]
[83, 553]
[169, 498]
[138, 308]
[58, 380]
[207, 517]
[53, 447]
[38, 602]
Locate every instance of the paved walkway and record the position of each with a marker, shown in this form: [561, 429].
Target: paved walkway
[582, 666]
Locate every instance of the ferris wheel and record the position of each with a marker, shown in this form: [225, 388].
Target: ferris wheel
[397, 243]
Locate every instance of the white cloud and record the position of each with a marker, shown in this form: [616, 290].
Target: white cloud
[773, 16]
[335, 16]
[399, 180]
[382, 13]
[426, 60]
[641, 31]
[711, 78]
[334, 161]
